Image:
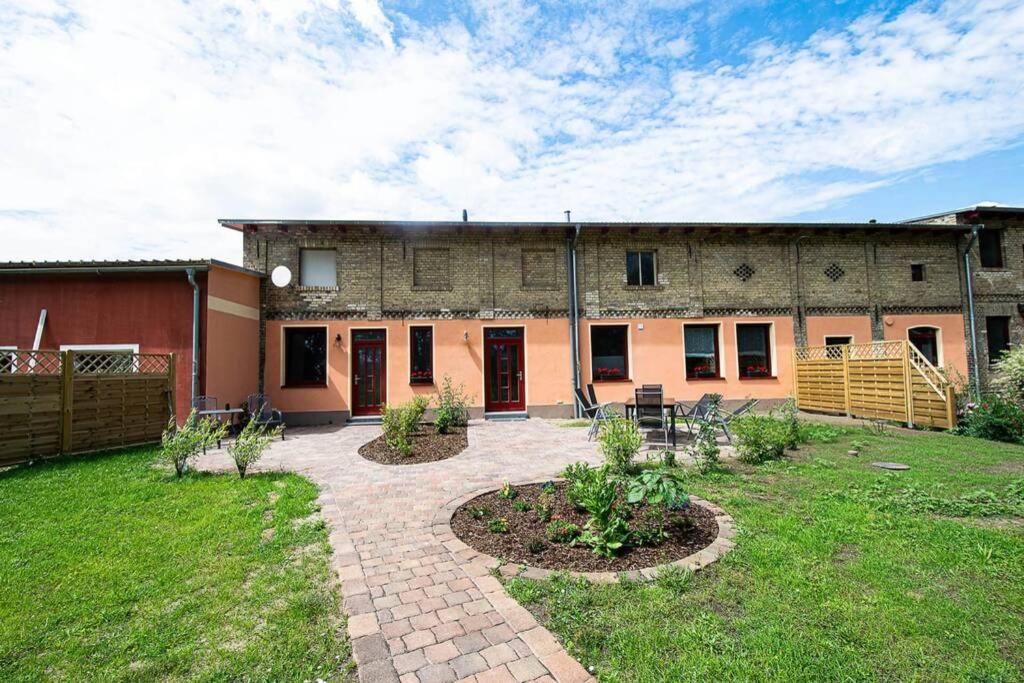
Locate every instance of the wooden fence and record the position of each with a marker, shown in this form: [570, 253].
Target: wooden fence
[60, 402]
[887, 380]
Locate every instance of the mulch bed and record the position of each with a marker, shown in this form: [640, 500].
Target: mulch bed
[427, 446]
[689, 530]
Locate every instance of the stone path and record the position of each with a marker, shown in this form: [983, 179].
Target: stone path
[421, 610]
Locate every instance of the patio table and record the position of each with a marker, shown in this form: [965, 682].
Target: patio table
[225, 414]
[666, 402]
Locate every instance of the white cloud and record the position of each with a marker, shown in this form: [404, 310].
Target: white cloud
[129, 128]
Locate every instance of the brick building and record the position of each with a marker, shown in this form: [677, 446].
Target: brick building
[376, 311]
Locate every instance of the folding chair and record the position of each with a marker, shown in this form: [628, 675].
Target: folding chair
[723, 418]
[597, 412]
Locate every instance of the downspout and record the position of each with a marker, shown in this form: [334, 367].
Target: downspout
[976, 373]
[191, 272]
[574, 344]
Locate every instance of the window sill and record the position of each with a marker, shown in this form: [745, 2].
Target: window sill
[612, 380]
[705, 379]
[317, 385]
[754, 379]
[319, 288]
[422, 381]
[652, 288]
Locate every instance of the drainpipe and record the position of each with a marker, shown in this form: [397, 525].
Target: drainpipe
[574, 345]
[976, 374]
[191, 272]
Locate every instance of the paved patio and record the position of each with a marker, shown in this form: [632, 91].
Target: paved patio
[420, 610]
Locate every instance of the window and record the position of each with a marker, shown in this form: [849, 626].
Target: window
[106, 359]
[608, 352]
[421, 362]
[990, 244]
[701, 348]
[926, 340]
[917, 272]
[431, 269]
[305, 356]
[539, 268]
[641, 268]
[998, 329]
[317, 268]
[754, 350]
[836, 340]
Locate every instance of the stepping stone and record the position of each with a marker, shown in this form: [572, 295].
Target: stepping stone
[897, 466]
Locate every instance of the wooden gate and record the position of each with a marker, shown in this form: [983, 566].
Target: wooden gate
[888, 380]
[61, 402]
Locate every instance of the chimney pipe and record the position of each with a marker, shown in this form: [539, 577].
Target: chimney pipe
[465, 216]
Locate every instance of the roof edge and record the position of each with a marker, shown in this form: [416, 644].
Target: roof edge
[100, 267]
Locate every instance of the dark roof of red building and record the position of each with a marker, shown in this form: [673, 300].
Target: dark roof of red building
[129, 266]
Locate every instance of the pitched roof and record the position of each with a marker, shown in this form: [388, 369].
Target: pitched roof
[127, 266]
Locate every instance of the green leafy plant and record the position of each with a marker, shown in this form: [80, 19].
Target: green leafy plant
[668, 457]
[657, 487]
[548, 487]
[606, 530]
[651, 531]
[994, 418]
[620, 439]
[760, 438]
[705, 448]
[481, 512]
[250, 444]
[507, 492]
[580, 476]
[179, 445]
[399, 423]
[452, 407]
[608, 539]
[1008, 375]
[498, 525]
[536, 545]
[522, 506]
[789, 414]
[561, 531]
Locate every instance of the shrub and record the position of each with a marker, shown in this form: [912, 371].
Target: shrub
[452, 407]
[401, 422]
[656, 487]
[620, 440]
[249, 445]
[760, 438]
[668, 458]
[788, 414]
[561, 531]
[522, 506]
[580, 476]
[545, 507]
[606, 530]
[1008, 375]
[181, 444]
[705, 447]
[498, 525]
[995, 419]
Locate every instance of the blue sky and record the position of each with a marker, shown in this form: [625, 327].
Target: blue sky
[129, 128]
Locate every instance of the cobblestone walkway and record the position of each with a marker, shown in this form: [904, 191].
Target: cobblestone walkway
[420, 609]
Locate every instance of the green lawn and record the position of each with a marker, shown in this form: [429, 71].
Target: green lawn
[841, 572]
[110, 569]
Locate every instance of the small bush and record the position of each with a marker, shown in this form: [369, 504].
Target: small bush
[507, 492]
[481, 512]
[452, 407]
[498, 525]
[561, 531]
[580, 476]
[705, 448]
[536, 545]
[651, 531]
[656, 487]
[545, 507]
[401, 422]
[620, 440]
[522, 506]
[668, 458]
[1008, 375]
[788, 414]
[249, 445]
[995, 419]
[760, 438]
[181, 444]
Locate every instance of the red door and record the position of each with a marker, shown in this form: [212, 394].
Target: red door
[504, 379]
[369, 371]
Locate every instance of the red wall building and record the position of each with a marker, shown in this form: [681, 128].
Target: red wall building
[146, 306]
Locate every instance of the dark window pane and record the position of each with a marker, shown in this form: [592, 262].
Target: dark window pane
[917, 272]
[305, 351]
[633, 268]
[504, 333]
[422, 361]
[927, 342]
[701, 343]
[990, 243]
[647, 268]
[754, 349]
[608, 351]
[369, 335]
[998, 329]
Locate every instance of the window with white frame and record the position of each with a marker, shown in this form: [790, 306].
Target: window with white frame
[318, 268]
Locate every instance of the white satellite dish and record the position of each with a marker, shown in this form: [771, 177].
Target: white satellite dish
[281, 276]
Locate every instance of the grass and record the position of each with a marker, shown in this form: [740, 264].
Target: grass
[110, 569]
[841, 572]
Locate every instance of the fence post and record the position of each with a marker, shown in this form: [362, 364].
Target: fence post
[67, 398]
[908, 383]
[172, 381]
[951, 406]
[796, 380]
[846, 380]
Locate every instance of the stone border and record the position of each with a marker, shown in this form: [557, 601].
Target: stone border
[722, 544]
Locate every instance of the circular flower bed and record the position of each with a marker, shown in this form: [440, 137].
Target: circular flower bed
[541, 526]
[427, 446]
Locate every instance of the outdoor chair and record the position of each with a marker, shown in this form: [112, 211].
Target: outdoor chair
[259, 409]
[723, 418]
[691, 415]
[650, 410]
[596, 412]
[592, 395]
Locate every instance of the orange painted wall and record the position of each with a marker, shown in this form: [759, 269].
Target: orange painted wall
[548, 379]
[231, 352]
[952, 336]
[819, 327]
[656, 357]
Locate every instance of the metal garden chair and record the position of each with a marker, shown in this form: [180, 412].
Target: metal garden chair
[597, 412]
[650, 410]
[260, 410]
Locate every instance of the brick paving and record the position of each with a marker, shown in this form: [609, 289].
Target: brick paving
[422, 608]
